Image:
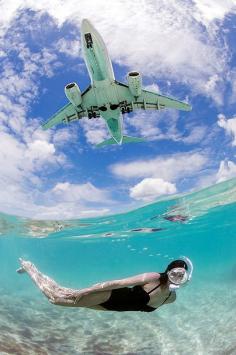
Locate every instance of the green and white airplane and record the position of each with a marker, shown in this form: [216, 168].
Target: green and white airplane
[106, 97]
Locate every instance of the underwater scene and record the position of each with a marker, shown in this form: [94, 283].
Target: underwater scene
[79, 253]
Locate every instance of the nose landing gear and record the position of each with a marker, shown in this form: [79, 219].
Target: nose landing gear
[92, 114]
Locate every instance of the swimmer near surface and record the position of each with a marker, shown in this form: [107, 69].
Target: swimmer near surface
[145, 292]
[208, 238]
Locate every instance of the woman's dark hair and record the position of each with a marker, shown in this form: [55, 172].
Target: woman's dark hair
[172, 265]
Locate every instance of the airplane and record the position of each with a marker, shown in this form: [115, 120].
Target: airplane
[106, 97]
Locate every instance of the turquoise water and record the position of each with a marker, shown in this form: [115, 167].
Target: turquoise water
[79, 253]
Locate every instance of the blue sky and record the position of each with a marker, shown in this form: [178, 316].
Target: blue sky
[184, 49]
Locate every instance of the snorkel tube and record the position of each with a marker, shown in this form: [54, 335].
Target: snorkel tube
[175, 283]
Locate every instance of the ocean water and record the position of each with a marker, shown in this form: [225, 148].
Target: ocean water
[78, 253]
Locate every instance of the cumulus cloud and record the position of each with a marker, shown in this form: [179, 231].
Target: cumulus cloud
[79, 192]
[229, 125]
[210, 10]
[188, 49]
[69, 210]
[40, 149]
[62, 136]
[150, 188]
[196, 135]
[95, 130]
[20, 163]
[162, 125]
[224, 171]
[69, 47]
[27, 153]
[168, 168]
[227, 170]
[152, 87]
[154, 125]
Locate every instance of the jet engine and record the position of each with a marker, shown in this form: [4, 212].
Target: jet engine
[73, 94]
[135, 83]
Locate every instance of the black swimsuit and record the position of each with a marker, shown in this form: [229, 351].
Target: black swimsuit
[130, 299]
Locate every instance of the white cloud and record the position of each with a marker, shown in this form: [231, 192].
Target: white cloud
[62, 136]
[227, 170]
[196, 134]
[28, 155]
[69, 47]
[160, 125]
[79, 192]
[169, 168]
[40, 149]
[151, 188]
[69, 210]
[232, 79]
[25, 151]
[95, 130]
[95, 212]
[154, 125]
[212, 87]
[229, 125]
[179, 36]
[210, 10]
[152, 87]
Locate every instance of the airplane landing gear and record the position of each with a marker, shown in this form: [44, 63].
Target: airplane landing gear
[125, 108]
[92, 114]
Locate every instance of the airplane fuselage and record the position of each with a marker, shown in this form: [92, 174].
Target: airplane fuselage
[102, 79]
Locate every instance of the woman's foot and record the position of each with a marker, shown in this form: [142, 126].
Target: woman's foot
[25, 265]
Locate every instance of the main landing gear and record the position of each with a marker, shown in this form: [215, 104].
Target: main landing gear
[125, 109]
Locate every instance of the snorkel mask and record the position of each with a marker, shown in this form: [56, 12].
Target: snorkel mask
[179, 276]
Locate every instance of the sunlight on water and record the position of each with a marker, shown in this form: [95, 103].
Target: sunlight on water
[78, 253]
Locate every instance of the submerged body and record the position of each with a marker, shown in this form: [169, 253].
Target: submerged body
[145, 292]
[106, 97]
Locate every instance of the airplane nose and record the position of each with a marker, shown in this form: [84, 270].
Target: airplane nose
[86, 26]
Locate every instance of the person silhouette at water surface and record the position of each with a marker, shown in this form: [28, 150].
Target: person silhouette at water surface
[176, 218]
[145, 292]
[173, 218]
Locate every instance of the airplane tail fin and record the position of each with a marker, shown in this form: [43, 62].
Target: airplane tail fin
[126, 139]
[106, 142]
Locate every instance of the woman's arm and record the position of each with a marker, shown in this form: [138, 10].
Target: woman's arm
[141, 279]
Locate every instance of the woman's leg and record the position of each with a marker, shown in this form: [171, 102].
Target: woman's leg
[61, 295]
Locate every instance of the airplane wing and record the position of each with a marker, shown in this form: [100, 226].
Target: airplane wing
[149, 100]
[64, 115]
[69, 113]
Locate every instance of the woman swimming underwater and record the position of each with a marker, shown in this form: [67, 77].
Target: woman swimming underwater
[145, 292]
